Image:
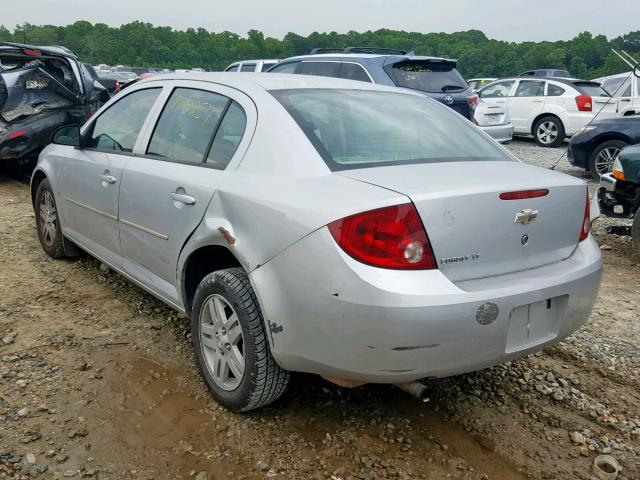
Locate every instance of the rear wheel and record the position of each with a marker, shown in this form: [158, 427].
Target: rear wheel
[47, 221]
[635, 231]
[231, 345]
[602, 158]
[549, 132]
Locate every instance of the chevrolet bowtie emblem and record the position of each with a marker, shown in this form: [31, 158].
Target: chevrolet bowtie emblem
[526, 216]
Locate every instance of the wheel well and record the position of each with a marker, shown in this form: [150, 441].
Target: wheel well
[628, 113]
[38, 176]
[541, 116]
[603, 139]
[201, 263]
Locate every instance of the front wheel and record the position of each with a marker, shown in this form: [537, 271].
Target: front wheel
[231, 345]
[48, 222]
[549, 132]
[603, 156]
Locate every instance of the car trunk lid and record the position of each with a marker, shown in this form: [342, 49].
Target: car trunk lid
[473, 232]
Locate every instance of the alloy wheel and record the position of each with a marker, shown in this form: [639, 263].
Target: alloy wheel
[48, 218]
[547, 132]
[604, 160]
[222, 342]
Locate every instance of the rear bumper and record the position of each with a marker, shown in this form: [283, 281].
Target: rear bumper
[500, 133]
[333, 316]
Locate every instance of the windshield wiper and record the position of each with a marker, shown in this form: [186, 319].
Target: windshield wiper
[446, 88]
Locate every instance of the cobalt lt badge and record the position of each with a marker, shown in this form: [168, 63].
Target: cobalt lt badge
[448, 100]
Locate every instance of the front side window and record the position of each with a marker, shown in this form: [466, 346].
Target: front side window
[227, 137]
[530, 88]
[321, 69]
[289, 67]
[357, 128]
[618, 86]
[496, 90]
[426, 76]
[186, 125]
[118, 127]
[248, 67]
[353, 71]
[232, 68]
[267, 65]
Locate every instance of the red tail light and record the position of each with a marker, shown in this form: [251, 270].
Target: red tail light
[16, 134]
[117, 87]
[524, 194]
[586, 221]
[473, 101]
[584, 103]
[390, 237]
[32, 52]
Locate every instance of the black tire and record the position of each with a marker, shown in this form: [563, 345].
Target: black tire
[263, 381]
[611, 145]
[47, 222]
[540, 137]
[635, 232]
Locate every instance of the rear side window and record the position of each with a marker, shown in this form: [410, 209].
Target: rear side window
[186, 125]
[530, 88]
[227, 137]
[248, 67]
[118, 127]
[289, 67]
[353, 71]
[321, 69]
[358, 128]
[554, 90]
[427, 76]
[233, 68]
[267, 66]
[500, 89]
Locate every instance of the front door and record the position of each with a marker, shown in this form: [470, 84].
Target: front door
[525, 104]
[91, 176]
[165, 191]
[497, 93]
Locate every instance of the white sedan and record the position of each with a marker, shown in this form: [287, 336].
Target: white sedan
[360, 232]
[550, 109]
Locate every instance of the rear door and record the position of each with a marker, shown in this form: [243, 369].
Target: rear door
[91, 176]
[167, 188]
[526, 103]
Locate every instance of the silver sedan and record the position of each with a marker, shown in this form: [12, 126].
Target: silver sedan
[350, 230]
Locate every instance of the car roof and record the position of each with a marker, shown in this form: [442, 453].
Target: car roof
[252, 82]
[567, 81]
[362, 56]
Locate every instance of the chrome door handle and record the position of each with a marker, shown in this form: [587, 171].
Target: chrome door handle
[537, 101]
[108, 178]
[183, 198]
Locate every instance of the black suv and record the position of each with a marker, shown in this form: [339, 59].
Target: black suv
[434, 76]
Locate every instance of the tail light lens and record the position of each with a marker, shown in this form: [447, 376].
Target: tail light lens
[586, 220]
[584, 103]
[16, 134]
[390, 237]
[473, 101]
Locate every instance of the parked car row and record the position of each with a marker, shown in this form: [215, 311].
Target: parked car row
[406, 245]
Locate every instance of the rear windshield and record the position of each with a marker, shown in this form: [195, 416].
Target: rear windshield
[591, 89]
[427, 76]
[359, 128]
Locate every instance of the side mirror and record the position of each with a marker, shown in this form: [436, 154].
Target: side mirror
[67, 135]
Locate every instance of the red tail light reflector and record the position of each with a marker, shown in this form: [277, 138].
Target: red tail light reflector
[524, 194]
[16, 134]
[584, 103]
[586, 220]
[390, 237]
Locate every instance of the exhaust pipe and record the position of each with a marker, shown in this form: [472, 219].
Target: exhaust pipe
[415, 389]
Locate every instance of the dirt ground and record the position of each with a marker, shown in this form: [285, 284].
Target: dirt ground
[97, 380]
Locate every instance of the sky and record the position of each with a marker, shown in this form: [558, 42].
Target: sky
[510, 20]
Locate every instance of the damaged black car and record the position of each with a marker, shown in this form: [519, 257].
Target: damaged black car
[42, 88]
